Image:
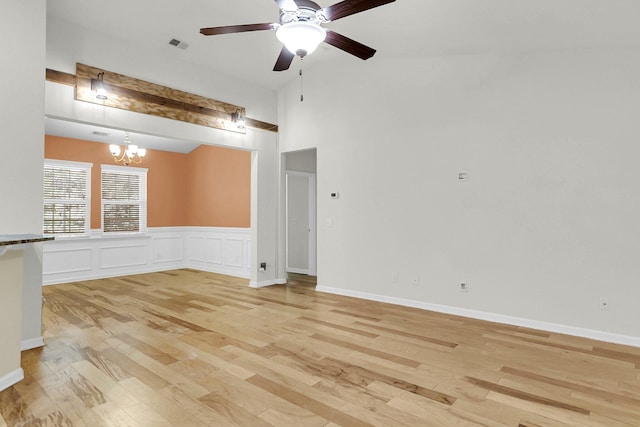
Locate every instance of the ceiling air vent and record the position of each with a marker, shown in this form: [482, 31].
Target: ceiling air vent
[98, 133]
[177, 43]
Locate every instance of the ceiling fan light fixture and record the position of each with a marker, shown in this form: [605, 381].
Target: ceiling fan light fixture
[301, 38]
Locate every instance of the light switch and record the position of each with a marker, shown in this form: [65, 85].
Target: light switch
[328, 222]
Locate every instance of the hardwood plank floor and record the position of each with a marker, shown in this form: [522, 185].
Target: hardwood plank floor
[189, 348]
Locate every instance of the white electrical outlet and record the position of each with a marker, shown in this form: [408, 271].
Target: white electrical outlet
[464, 287]
[604, 303]
[394, 277]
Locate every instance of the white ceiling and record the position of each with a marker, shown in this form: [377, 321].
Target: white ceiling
[405, 28]
[86, 132]
[402, 28]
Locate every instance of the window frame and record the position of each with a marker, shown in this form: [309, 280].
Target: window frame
[142, 202]
[69, 165]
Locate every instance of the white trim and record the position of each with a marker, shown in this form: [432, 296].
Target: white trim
[31, 343]
[160, 249]
[491, 317]
[79, 166]
[299, 271]
[68, 164]
[141, 201]
[313, 226]
[11, 378]
[200, 229]
[235, 272]
[266, 283]
[126, 170]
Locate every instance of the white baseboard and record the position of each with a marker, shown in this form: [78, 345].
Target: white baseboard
[105, 275]
[298, 271]
[227, 271]
[11, 378]
[265, 283]
[491, 317]
[31, 343]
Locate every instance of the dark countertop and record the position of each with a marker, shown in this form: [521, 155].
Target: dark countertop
[18, 239]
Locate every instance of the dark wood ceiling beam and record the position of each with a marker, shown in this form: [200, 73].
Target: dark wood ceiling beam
[144, 97]
[61, 77]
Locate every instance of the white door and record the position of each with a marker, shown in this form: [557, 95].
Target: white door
[301, 227]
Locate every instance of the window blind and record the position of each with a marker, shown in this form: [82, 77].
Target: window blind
[66, 197]
[124, 199]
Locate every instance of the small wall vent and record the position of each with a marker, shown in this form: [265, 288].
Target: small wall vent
[98, 133]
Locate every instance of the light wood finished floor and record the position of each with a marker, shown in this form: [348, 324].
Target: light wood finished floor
[301, 279]
[187, 348]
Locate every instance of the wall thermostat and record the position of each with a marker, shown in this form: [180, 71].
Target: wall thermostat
[334, 195]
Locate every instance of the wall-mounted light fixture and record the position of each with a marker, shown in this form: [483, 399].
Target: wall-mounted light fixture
[97, 87]
[131, 153]
[238, 119]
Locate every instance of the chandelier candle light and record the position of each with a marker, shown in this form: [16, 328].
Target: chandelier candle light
[131, 153]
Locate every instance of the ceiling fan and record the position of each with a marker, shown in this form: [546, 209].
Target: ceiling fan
[300, 28]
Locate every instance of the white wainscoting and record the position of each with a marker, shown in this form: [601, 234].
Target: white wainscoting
[227, 251]
[213, 249]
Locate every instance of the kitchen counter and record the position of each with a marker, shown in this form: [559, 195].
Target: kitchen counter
[7, 240]
[19, 239]
[12, 249]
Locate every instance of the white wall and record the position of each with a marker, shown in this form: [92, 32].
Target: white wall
[68, 43]
[301, 161]
[21, 121]
[264, 214]
[11, 265]
[546, 225]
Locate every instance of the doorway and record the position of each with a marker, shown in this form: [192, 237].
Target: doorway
[300, 213]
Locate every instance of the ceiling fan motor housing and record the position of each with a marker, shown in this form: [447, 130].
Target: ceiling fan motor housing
[308, 11]
[300, 30]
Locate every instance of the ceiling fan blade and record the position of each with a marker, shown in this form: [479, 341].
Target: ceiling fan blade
[350, 7]
[288, 5]
[229, 29]
[348, 45]
[284, 60]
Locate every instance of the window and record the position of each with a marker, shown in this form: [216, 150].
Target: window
[124, 199]
[66, 197]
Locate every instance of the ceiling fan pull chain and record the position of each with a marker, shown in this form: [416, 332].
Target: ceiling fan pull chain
[301, 86]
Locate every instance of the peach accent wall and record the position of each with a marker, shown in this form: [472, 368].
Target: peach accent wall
[226, 174]
[215, 180]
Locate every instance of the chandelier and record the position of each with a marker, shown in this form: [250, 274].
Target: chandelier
[131, 153]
